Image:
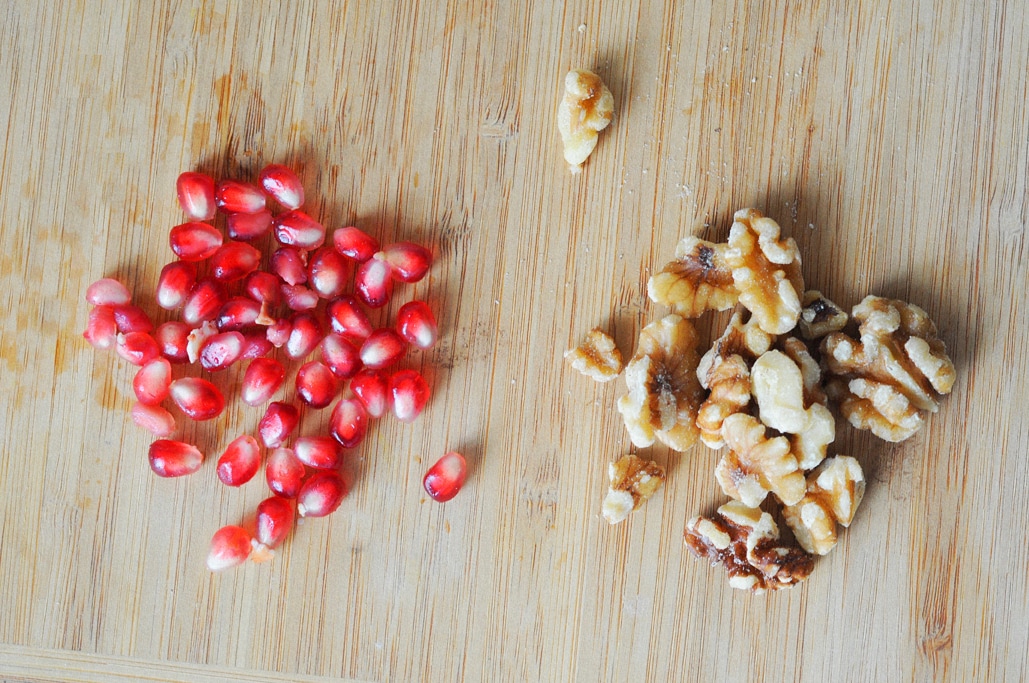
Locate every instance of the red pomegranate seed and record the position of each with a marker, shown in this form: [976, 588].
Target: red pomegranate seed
[355, 243]
[342, 357]
[349, 422]
[446, 477]
[108, 292]
[279, 332]
[240, 461]
[154, 419]
[274, 522]
[417, 325]
[131, 318]
[173, 286]
[237, 313]
[263, 287]
[174, 458]
[383, 347]
[297, 229]
[230, 547]
[319, 452]
[327, 273]
[138, 348]
[263, 378]
[283, 185]
[255, 345]
[372, 387]
[408, 262]
[373, 282]
[152, 381]
[196, 195]
[196, 339]
[304, 337]
[248, 226]
[279, 421]
[234, 261]
[194, 241]
[348, 318]
[284, 473]
[221, 350]
[321, 495]
[316, 385]
[101, 328]
[233, 196]
[197, 398]
[172, 337]
[410, 393]
[203, 302]
[290, 264]
[299, 298]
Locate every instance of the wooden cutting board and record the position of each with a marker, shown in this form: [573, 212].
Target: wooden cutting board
[891, 140]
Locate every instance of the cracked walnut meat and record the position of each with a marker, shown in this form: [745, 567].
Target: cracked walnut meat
[697, 281]
[633, 481]
[597, 357]
[757, 464]
[834, 491]
[585, 110]
[820, 316]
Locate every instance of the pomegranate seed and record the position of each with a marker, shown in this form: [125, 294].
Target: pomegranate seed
[349, 422]
[131, 318]
[283, 185]
[304, 337]
[274, 522]
[172, 337]
[382, 347]
[108, 292]
[138, 348]
[299, 298]
[372, 387]
[408, 262]
[284, 473]
[248, 226]
[221, 350]
[233, 196]
[263, 378]
[321, 495]
[297, 229]
[373, 282]
[203, 302]
[173, 286]
[417, 325]
[319, 452]
[237, 313]
[194, 241]
[348, 318]
[446, 477]
[174, 458]
[101, 328]
[327, 273]
[355, 243]
[316, 385]
[230, 547]
[410, 393]
[240, 461]
[279, 421]
[152, 381]
[196, 339]
[197, 398]
[234, 261]
[341, 356]
[279, 332]
[290, 264]
[154, 419]
[263, 287]
[255, 346]
[196, 195]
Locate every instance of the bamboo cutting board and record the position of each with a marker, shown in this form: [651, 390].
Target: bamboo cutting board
[891, 140]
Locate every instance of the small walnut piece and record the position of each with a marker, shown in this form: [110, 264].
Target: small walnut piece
[834, 491]
[820, 316]
[729, 382]
[633, 481]
[597, 357]
[586, 109]
[697, 281]
[756, 465]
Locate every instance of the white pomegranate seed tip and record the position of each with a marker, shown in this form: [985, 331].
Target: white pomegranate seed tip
[108, 292]
[410, 393]
[446, 477]
[230, 547]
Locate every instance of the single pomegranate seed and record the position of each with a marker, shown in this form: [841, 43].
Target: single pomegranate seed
[446, 477]
[373, 282]
[101, 327]
[196, 339]
[197, 398]
[348, 318]
[194, 241]
[240, 461]
[221, 350]
[131, 318]
[154, 419]
[263, 287]
[417, 325]
[382, 348]
[274, 522]
[284, 473]
[299, 298]
[279, 421]
[279, 332]
[255, 345]
[316, 385]
[319, 452]
[342, 357]
[237, 313]
[408, 262]
[108, 292]
[372, 387]
[248, 226]
[327, 273]
[233, 196]
[196, 195]
[174, 284]
[152, 381]
[138, 348]
[297, 229]
[290, 264]
[203, 302]
[172, 337]
[321, 495]
[410, 393]
[304, 337]
[263, 378]
[174, 458]
[234, 261]
[349, 422]
[355, 243]
[283, 185]
[230, 547]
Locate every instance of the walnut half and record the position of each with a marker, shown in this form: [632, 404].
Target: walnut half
[633, 481]
[586, 109]
[697, 281]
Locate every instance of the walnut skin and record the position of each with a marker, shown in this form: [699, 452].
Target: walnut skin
[697, 281]
[597, 357]
[820, 316]
[586, 109]
[633, 481]
[834, 491]
[756, 464]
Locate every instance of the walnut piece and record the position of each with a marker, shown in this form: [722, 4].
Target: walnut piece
[586, 109]
[745, 540]
[765, 270]
[820, 316]
[834, 491]
[697, 281]
[663, 390]
[756, 464]
[597, 357]
[633, 481]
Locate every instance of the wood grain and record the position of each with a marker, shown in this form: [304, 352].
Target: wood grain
[890, 139]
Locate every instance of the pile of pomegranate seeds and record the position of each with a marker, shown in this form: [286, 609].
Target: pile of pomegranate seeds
[277, 285]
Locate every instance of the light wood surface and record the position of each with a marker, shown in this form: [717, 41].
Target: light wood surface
[890, 139]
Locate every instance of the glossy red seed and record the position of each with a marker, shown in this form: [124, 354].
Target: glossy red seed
[373, 282]
[304, 337]
[194, 241]
[203, 302]
[138, 348]
[372, 388]
[172, 338]
[196, 339]
[279, 421]
[445, 478]
[248, 227]
[221, 350]
[290, 264]
[382, 348]
[237, 313]
[196, 195]
[263, 287]
[284, 473]
[152, 381]
[131, 318]
[342, 357]
[174, 284]
[283, 185]
[108, 292]
[316, 384]
[274, 522]
[278, 332]
[417, 324]
[230, 547]
[299, 298]
[319, 452]
[255, 345]
[234, 196]
[101, 328]
[297, 229]
[408, 262]
[321, 495]
[197, 398]
[262, 379]
[154, 419]
[354, 243]
[234, 261]
[349, 422]
[348, 318]
[410, 393]
[174, 458]
[327, 273]
[240, 461]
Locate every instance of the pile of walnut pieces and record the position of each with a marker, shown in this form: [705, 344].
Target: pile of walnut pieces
[763, 394]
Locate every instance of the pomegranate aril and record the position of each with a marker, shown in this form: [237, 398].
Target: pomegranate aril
[342, 357]
[248, 226]
[172, 337]
[297, 229]
[348, 318]
[316, 384]
[321, 495]
[319, 452]
[284, 473]
[263, 287]
[373, 282]
[234, 261]
[154, 419]
[131, 318]
[196, 339]
[416, 324]
[408, 262]
[237, 313]
[240, 461]
[383, 347]
[203, 302]
[101, 328]
[263, 378]
[410, 393]
[274, 522]
[138, 348]
[349, 422]
[194, 241]
[152, 381]
[283, 186]
[355, 243]
[221, 350]
[327, 273]
[230, 547]
[255, 346]
[174, 458]
[108, 292]
[445, 478]
[196, 195]
[372, 388]
[174, 284]
[299, 298]
[234, 196]
[278, 332]
[304, 337]
[290, 264]
[197, 398]
[279, 421]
